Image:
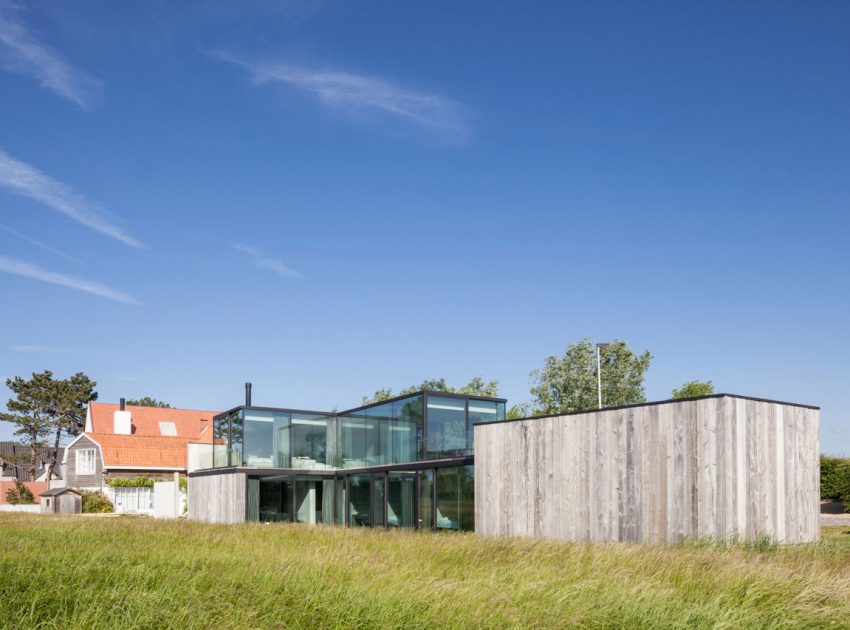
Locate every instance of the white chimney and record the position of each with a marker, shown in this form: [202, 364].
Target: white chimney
[122, 421]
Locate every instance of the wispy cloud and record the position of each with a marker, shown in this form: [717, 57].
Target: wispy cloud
[437, 115]
[28, 270]
[23, 179]
[40, 349]
[259, 259]
[37, 243]
[22, 53]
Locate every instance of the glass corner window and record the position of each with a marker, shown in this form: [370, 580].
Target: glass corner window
[447, 429]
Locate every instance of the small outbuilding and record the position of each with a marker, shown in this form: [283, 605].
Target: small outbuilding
[61, 501]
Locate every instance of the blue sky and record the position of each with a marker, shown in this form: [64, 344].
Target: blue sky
[327, 198]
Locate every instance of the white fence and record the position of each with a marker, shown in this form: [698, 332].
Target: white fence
[32, 508]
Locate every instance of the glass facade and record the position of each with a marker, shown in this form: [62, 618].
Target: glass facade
[416, 429]
[440, 499]
[413, 428]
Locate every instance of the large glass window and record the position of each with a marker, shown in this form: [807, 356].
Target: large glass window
[359, 501]
[378, 498]
[257, 439]
[309, 441]
[455, 498]
[407, 430]
[379, 421]
[446, 426]
[426, 499]
[352, 441]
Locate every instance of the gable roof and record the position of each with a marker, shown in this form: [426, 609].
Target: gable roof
[57, 491]
[12, 452]
[189, 423]
[149, 445]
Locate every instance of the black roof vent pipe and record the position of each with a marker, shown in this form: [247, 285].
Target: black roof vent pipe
[121, 404]
[247, 394]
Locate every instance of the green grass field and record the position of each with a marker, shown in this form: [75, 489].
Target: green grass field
[88, 572]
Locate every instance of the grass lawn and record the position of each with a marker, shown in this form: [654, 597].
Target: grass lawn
[84, 572]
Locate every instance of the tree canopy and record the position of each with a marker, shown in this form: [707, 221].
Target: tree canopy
[568, 383]
[476, 387]
[692, 389]
[147, 401]
[45, 409]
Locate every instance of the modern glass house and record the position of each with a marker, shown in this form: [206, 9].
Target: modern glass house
[402, 462]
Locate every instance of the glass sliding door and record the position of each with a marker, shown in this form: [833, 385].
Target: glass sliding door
[359, 501]
[401, 499]
[276, 499]
[426, 500]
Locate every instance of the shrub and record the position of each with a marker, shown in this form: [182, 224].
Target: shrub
[95, 502]
[123, 482]
[20, 494]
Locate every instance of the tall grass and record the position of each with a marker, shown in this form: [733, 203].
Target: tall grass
[89, 572]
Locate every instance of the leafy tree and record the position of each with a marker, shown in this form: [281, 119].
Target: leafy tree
[519, 410]
[476, 387]
[44, 408]
[567, 384]
[20, 494]
[147, 401]
[692, 389]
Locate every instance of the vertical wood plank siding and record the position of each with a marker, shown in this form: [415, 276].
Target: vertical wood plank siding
[218, 498]
[719, 467]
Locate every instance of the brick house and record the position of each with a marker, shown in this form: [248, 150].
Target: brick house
[126, 441]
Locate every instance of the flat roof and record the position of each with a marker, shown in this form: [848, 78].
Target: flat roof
[428, 392]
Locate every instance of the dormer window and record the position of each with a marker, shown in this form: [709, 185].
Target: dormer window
[168, 429]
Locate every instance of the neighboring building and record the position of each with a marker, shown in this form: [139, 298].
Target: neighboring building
[61, 501]
[717, 466]
[14, 462]
[403, 462]
[126, 441]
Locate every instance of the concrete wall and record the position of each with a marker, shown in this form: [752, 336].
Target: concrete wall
[714, 467]
[218, 498]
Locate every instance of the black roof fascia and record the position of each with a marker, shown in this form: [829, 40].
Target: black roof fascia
[653, 403]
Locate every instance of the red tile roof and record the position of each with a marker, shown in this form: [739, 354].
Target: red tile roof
[146, 446]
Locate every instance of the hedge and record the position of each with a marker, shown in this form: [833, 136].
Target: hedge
[835, 479]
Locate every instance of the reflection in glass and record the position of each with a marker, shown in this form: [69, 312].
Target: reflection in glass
[235, 450]
[455, 498]
[481, 411]
[221, 437]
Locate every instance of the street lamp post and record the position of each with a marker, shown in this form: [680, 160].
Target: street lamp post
[599, 347]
